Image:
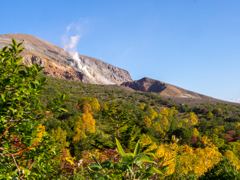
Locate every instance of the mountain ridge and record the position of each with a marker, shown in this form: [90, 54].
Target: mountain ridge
[60, 64]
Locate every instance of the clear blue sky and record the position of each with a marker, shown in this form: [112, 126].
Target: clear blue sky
[194, 44]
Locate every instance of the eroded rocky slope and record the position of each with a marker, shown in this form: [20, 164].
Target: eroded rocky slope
[151, 85]
[171, 93]
[60, 64]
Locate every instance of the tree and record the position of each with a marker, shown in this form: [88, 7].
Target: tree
[184, 134]
[88, 102]
[209, 115]
[147, 121]
[195, 132]
[152, 113]
[60, 136]
[157, 127]
[142, 105]
[25, 147]
[193, 118]
[165, 111]
[87, 108]
[79, 128]
[217, 141]
[198, 161]
[89, 122]
[117, 117]
[165, 122]
[86, 123]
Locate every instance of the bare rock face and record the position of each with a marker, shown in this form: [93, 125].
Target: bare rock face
[146, 85]
[105, 72]
[56, 69]
[34, 59]
[60, 64]
[151, 85]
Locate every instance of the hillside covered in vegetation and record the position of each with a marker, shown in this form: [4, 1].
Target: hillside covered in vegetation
[59, 129]
[209, 131]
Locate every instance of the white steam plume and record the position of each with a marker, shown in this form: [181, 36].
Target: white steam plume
[70, 46]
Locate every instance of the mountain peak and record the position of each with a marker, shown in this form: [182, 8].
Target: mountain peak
[60, 64]
[151, 85]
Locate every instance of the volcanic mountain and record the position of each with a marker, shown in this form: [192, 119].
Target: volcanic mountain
[60, 64]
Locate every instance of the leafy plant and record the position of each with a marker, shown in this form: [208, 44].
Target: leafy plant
[131, 166]
[25, 147]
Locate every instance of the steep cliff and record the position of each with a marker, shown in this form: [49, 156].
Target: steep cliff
[60, 64]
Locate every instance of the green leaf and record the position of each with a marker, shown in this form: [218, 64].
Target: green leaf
[130, 169]
[22, 72]
[36, 82]
[138, 163]
[151, 155]
[106, 164]
[153, 151]
[36, 66]
[40, 68]
[137, 149]
[120, 149]
[19, 60]
[96, 161]
[101, 178]
[43, 79]
[62, 97]
[14, 42]
[20, 50]
[14, 48]
[5, 49]
[20, 44]
[129, 154]
[3, 97]
[94, 166]
[143, 157]
[62, 109]
[165, 167]
[153, 170]
[127, 159]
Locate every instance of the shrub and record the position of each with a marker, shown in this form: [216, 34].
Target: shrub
[25, 147]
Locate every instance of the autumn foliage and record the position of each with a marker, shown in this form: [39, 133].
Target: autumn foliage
[94, 136]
